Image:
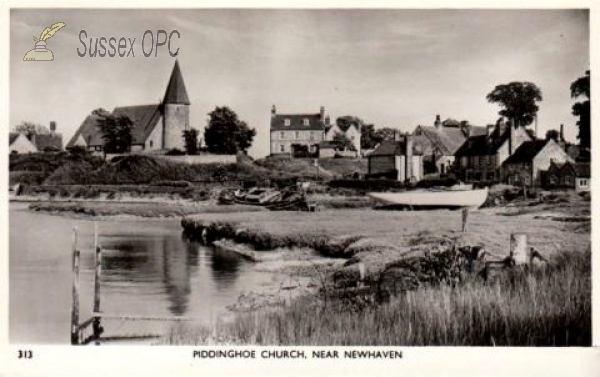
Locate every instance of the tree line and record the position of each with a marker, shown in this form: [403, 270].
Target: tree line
[225, 133]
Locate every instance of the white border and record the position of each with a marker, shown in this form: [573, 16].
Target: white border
[169, 361]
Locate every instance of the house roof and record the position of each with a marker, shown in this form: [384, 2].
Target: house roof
[144, 117]
[526, 151]
[42, 142]
[297, 122]
[176, 92]
[481, 144]
[396, 148]
[12, 136]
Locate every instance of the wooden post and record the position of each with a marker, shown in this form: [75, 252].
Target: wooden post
[96, 325]
[75, 292]
[519, 251]
[465, 217]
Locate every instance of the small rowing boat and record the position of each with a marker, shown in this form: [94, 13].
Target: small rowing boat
[428, 199]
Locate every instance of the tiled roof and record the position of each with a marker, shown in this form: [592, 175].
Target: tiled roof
[176, 92]
[144, 117]
[446, 139]
[481, 144]
[397, 148]
[526, 152]
[296, 122]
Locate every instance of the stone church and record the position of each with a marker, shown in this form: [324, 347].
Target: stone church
[155, 127]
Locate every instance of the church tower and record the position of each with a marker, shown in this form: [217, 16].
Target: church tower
[176, 111]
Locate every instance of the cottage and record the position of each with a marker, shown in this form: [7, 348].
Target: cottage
[20, 144]
[400, 159]
[480, 157]
[442, 140]
[352, 131]
[36, 142]
[297, 134]
[533, 157]
[155, 127]
[568, 175]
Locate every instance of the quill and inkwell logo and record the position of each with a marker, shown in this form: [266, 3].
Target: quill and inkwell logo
[40, 52]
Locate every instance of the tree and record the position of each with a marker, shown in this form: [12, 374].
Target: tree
[343, 142]
[385, 133]
[29, 129]
[190, 139]
[518, 101]
[581, 88]
[553, 134]
[226, 134]
[116, 133]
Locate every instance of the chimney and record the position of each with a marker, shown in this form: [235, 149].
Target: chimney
[438, 122]
[273, 111]
[397, 135]
[408, 143]
[327, 120]
[561, 136]
[490, 129]
[322, 113]
[52, 126]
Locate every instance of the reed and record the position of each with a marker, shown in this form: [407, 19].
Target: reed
[549, 307]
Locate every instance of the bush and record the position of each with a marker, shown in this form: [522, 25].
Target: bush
[175, 152]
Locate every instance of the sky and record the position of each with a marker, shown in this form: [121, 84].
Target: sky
[391, 67]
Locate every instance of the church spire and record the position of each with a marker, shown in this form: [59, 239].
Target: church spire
[176, 93]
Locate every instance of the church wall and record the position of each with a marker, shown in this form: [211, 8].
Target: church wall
[176, 120]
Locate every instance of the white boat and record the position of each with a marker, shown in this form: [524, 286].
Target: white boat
[432, 199]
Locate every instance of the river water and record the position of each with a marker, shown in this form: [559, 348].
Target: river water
[147, 270]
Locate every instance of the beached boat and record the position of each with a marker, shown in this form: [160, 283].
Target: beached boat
[274, 200]
[426, 199]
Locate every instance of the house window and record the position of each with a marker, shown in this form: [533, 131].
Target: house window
[464, 161]
[282, 135]
[297, 135]
[306, 122]
[583, 182]
[286, 121]
[151, 143]
[281, 148]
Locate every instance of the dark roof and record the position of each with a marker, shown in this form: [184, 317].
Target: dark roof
[176, 92]
[42, 142]
[482, 144]
[526, 152]
[395, 148]
[12, 136]
[446, 139]
[451, 123]
[583, 169]
[144, 117]
[297, 122]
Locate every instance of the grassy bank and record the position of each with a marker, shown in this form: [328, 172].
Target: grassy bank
[550, 307]
[144, 209]
[368, 229]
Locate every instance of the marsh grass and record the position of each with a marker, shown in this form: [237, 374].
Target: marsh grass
[546, 307]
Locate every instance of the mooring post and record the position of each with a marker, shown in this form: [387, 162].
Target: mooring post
[465, 217]
[519, 251]
[98, 270]
[75, 292]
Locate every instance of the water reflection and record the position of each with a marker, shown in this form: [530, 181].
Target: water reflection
[169, 260]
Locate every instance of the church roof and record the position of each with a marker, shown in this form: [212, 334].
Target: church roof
[176, 92]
